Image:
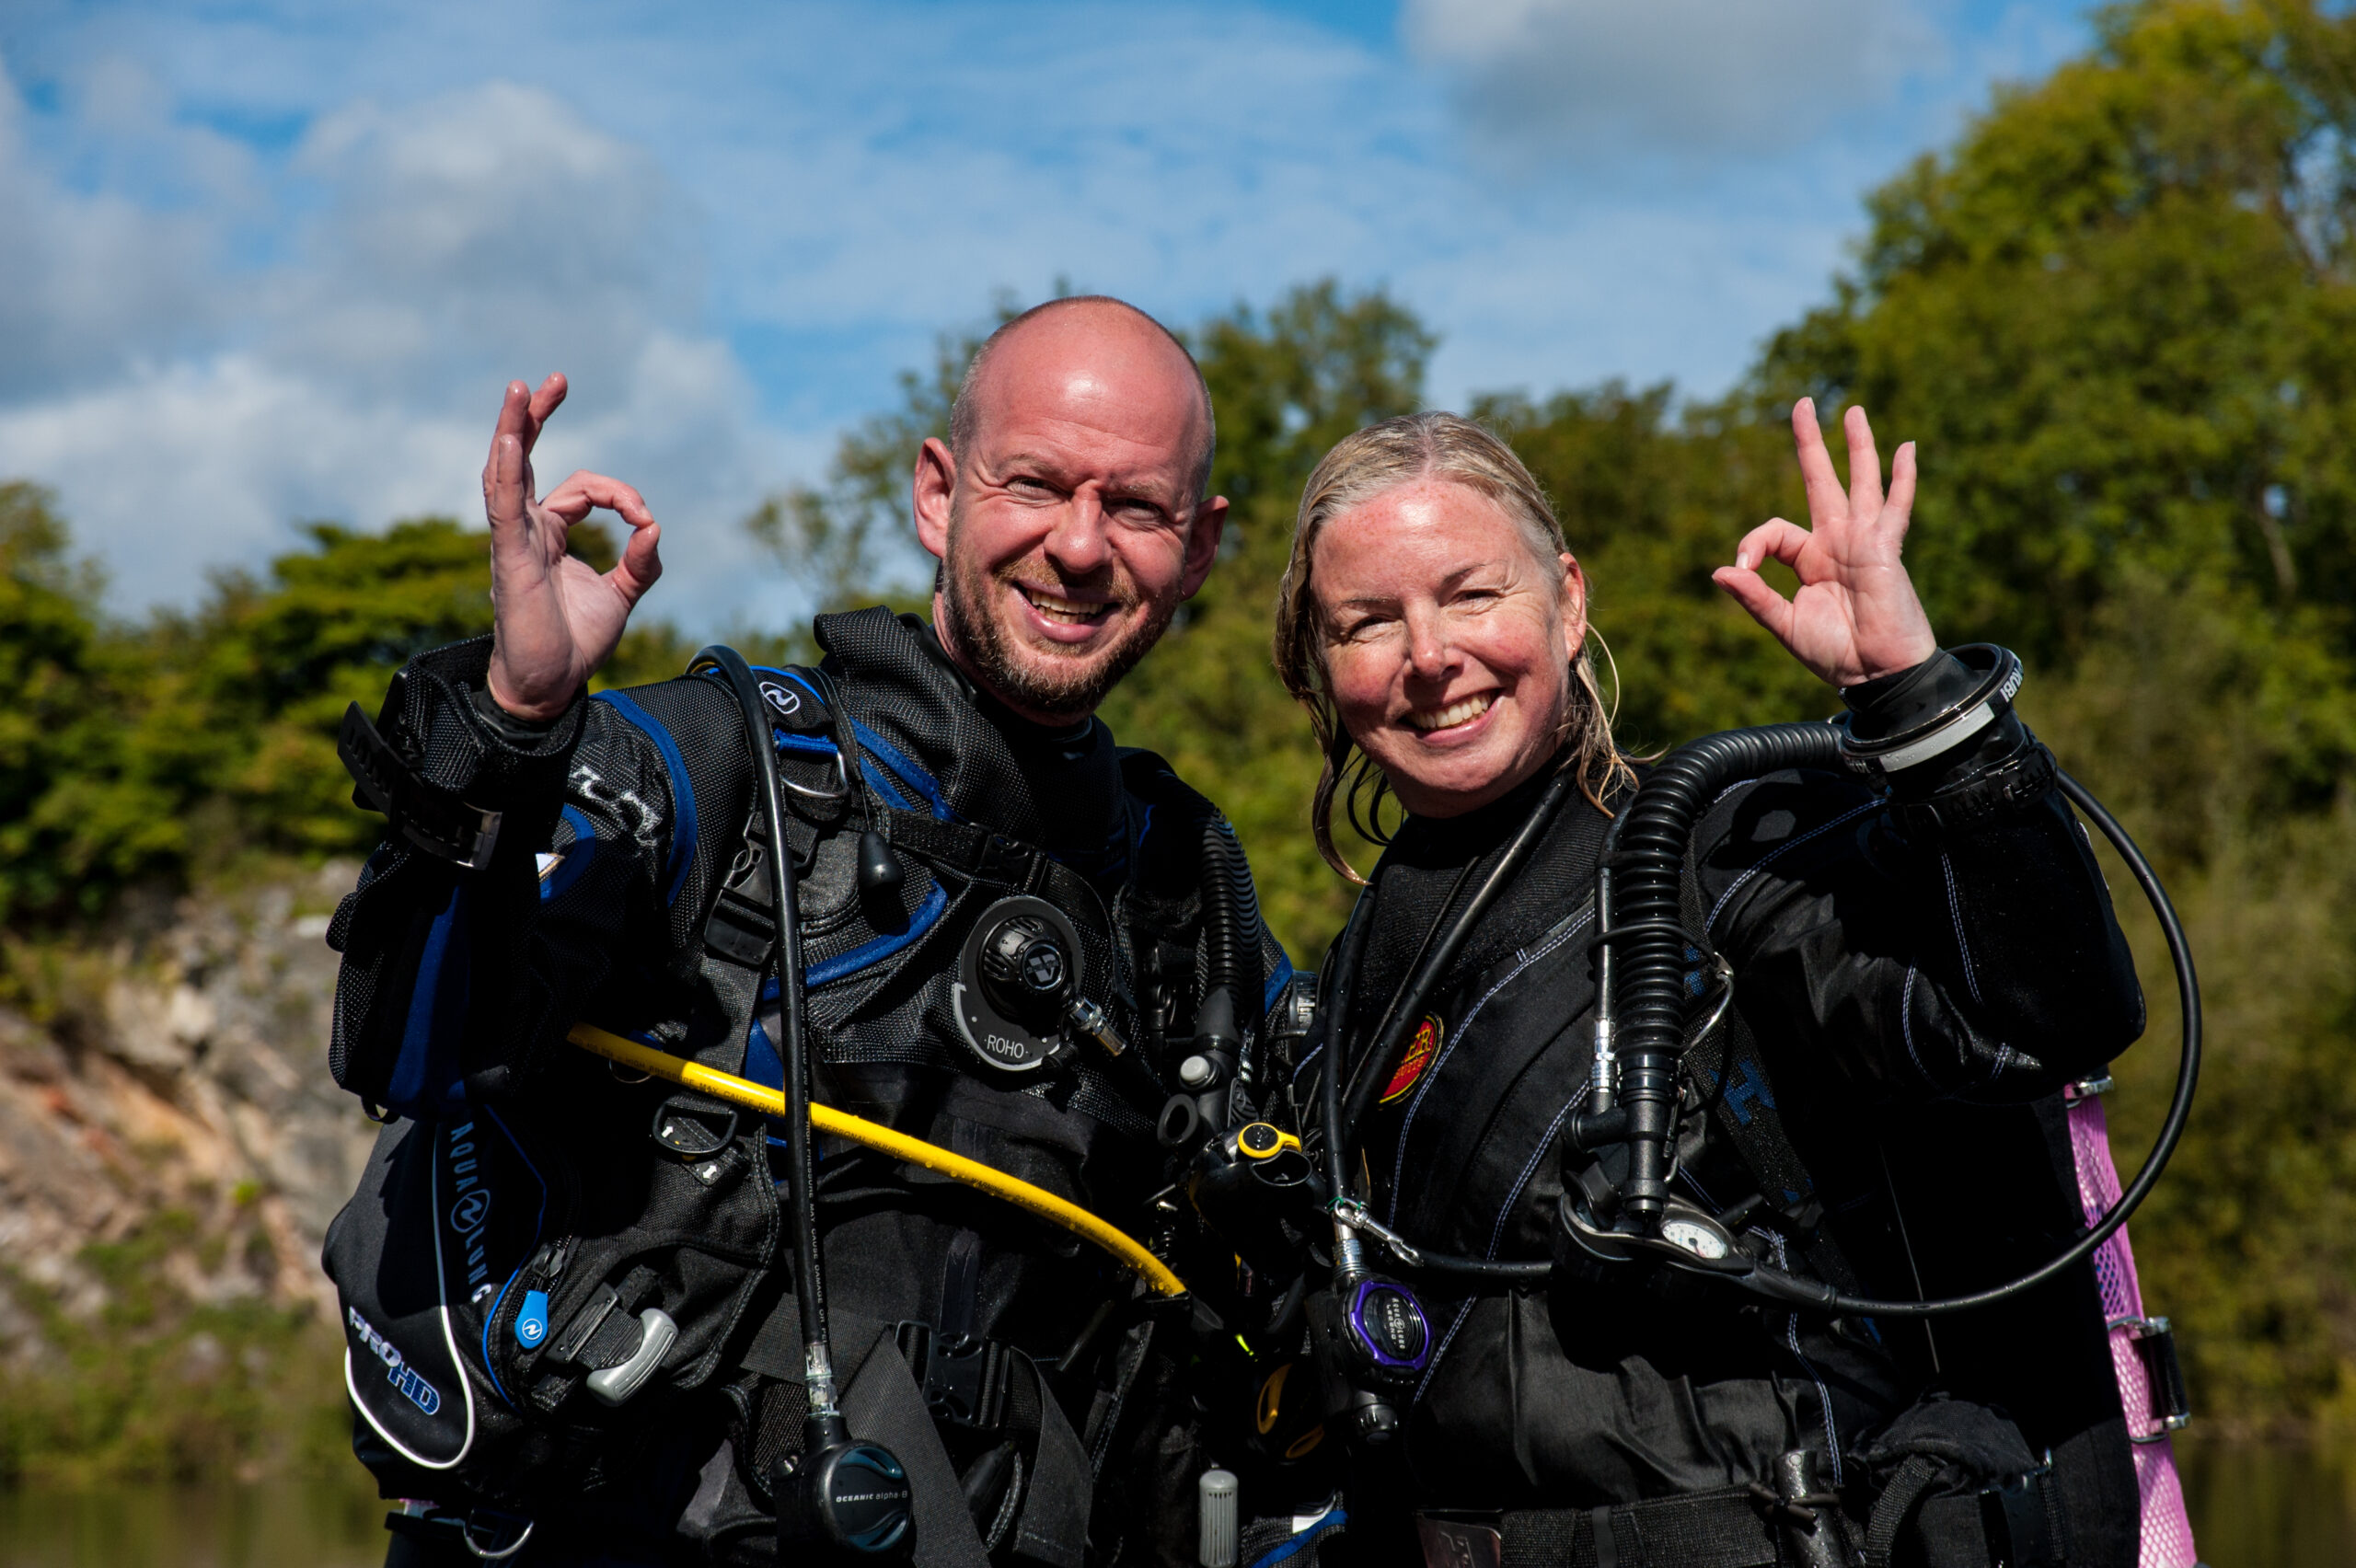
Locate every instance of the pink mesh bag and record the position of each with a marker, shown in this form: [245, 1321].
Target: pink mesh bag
[2166, 1531]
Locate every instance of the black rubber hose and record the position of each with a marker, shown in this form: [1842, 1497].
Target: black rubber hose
[1790, 1289]
[809, 1285]
[1229, 924]
[1647, 873]
[1376, 1066]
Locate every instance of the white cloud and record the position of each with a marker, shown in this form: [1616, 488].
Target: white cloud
[1750, 78]
[90, 281]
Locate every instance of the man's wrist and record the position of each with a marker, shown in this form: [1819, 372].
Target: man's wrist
[516, 729]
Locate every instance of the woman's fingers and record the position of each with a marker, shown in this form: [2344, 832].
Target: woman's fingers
[1901, 487]
[1864, 466]
[1775, 538]
[1765, 606]
[1825, 498]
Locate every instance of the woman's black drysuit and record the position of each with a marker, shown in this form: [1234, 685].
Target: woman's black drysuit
[1918, 999]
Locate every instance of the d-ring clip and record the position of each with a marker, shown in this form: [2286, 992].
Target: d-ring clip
[467, 1534]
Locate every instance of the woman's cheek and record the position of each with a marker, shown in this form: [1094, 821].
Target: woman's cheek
[1361, 684]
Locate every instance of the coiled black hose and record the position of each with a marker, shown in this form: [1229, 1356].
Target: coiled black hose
[1230, 920]
[1648, 925]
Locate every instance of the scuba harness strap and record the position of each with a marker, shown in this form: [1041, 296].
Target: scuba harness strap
[1045, 1481]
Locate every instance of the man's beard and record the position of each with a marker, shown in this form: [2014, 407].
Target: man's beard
[1070, 686]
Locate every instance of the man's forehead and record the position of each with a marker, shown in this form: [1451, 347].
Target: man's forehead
[1088, 378]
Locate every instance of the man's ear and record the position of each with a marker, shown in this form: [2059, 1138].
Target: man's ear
[1203, 534]
[932, 490]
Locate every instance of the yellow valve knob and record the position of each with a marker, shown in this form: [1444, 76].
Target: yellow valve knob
[1263, 1140]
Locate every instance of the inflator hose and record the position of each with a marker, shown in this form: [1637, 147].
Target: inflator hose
[884, 1140]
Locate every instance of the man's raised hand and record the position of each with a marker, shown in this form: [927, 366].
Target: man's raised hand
[1855, 616]
[554, 618]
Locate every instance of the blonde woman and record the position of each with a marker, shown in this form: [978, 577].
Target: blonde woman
[1916, 984]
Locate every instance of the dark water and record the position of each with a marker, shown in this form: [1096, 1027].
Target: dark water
[2255, 1507]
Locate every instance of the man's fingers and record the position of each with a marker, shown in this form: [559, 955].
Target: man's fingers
[584, 491]
[1901, 486]
[544, 402]
[1773, 537]
[504, 478]
[640, 566]
[1824, 496]
[1864, 466]
[1765, 606]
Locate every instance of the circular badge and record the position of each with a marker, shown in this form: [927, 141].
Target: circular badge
[1020, 966]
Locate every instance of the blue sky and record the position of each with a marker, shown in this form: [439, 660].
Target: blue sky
[262, 262]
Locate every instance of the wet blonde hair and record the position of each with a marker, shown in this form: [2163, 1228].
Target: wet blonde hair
[1362, 466]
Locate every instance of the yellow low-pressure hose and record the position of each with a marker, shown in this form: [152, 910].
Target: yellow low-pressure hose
[899, 1146]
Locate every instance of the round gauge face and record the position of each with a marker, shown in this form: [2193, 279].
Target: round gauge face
[1702, 1241]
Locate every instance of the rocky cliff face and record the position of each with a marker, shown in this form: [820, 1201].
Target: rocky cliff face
[176, 1092]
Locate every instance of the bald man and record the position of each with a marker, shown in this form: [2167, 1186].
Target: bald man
[1020, 942]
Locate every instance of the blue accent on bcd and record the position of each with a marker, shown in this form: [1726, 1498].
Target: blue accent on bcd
[880, 948]
[683, 789]
[540, 1225]
[532, 1321]
[1748, 1087]
[425, 1080]
[1278, 979]
[576, 855]
[1333, 1519]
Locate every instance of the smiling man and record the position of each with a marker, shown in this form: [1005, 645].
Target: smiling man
[952, 806]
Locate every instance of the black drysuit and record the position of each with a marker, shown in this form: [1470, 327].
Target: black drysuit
[622, 824]
[1917, 1004]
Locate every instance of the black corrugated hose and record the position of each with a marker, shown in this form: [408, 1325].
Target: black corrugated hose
[1648, 930]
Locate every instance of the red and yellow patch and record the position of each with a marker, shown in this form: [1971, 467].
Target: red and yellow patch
[1420, 1052]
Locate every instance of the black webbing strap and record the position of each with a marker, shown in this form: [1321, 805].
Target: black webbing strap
[433, 819]
[972, 853]
[1703, 1530]
[884, 1403]
[1894, 1509]
[1059, 1483]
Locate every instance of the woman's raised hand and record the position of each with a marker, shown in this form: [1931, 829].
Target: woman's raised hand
[1855, 616]
[554, 618]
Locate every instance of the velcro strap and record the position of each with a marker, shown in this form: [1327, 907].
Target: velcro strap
[433, 819]
[2018, 782]
[969, 851]
[1705, 1529]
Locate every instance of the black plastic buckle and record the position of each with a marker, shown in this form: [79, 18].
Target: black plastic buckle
[740, 928]
[2154, 1341]
[2019, 1520]
[965, 1380]
[434, 820]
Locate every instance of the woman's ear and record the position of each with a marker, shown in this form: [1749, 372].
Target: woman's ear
[1574, 604]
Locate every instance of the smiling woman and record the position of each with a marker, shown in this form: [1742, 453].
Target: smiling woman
[1891, 980]
[1442, 654]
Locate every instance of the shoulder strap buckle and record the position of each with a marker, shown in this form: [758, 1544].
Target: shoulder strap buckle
[964, 1379]
[434, 820]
